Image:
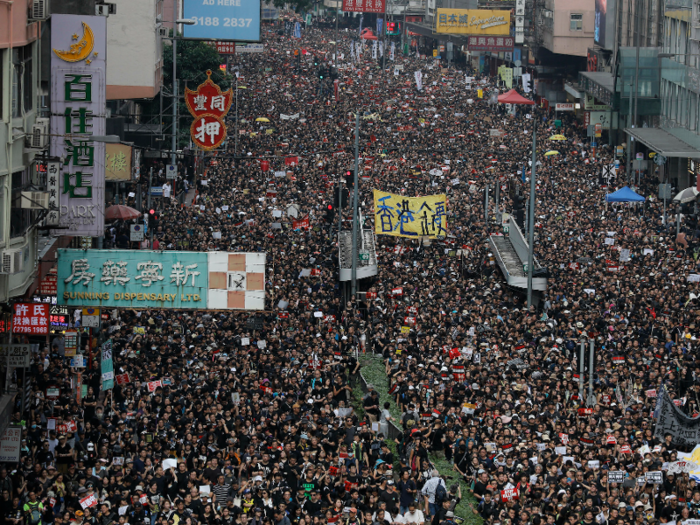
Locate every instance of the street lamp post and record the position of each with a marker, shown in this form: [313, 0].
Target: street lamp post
[173, 144]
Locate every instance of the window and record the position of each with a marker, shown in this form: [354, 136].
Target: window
[20, 220]
[22, 85]
[576, 22]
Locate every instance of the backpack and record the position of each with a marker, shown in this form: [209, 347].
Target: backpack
[440, 493]
[35, 513]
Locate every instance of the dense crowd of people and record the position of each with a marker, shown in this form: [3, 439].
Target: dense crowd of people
[260, 424]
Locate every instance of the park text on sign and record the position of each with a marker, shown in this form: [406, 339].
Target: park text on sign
[78, 112]
[491, 43]
[363, 6]
[472, 22]
[10, 445]
[31, 318]
[171, 279]
[410, 216]
[16, 355]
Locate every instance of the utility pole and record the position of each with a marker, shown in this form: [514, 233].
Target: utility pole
[486, 205]
[581, 371]
[336, 34]
[384, 39]
[531, 220]
[591, 398]
[173, 153]
[354, 206]
[340, 208]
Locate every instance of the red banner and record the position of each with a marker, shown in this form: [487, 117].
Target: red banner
[291, 161]
[509, 494]
[122, 379]
[363, 6]
[584, 412]
[301, 223]
[31, 318]
[371, 295]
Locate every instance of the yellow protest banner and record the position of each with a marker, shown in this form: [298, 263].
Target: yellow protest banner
[410, 216]
[405, 329]
[480, 93]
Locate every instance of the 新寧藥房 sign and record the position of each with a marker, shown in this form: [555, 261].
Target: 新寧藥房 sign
[170, 279]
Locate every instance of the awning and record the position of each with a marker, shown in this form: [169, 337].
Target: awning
[663, 143]
[429, 31]
[599, 84]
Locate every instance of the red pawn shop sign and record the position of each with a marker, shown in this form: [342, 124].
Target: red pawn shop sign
[208, 105]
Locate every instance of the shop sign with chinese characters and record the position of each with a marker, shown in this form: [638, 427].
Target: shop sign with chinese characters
[118, 162]
[31, 319]
[363, 6]
[490, 43]
[472, 22]
[208, 105]
[78, 112]
[146, 279]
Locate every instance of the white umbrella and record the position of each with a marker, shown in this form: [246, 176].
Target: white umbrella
[687, 195]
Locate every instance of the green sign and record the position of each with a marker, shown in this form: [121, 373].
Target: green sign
[364, 256]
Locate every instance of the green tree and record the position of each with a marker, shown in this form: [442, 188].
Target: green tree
[298, 6]
[194, 58]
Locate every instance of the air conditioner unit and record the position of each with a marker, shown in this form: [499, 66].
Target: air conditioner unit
[39, 137]
[105, 9]
[35, 200]
[39, 10]
[12, 261]
[163, 31]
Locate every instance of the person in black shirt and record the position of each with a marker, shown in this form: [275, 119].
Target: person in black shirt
[391, 497]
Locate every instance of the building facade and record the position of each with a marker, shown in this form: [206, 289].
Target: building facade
[19, 94]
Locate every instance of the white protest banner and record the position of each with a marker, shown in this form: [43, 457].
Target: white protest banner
[655, 477]
[616, 476]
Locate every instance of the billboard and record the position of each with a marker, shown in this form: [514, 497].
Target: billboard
[170, 279]
[78, 112]
[222, 20]
[604, 25]
[414, 217]
[364, 6]
[472, 22]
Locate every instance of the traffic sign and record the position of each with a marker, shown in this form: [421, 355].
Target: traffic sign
[171, 172]
[137, 232]
[16, 355]
[364, 256]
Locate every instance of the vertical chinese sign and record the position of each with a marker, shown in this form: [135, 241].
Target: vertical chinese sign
[107, 366]
[208, 105]
[78, 113]
[31, 319]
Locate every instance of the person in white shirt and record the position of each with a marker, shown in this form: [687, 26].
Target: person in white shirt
[413, 515]
[166, 190]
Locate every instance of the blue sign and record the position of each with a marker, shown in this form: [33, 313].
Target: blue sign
[133, 279]
[157, 192]
[237, 20]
